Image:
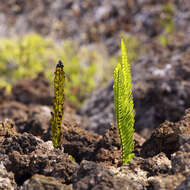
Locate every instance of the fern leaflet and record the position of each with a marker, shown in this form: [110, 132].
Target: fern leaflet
[124, 107]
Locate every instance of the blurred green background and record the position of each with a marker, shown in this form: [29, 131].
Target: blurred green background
[86, 68]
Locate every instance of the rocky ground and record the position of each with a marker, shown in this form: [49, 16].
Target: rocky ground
[28, 159]
[161, 78]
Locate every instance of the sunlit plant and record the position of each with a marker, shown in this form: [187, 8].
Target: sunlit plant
[124, 107]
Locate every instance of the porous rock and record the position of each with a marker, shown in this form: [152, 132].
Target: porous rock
[44, 183]
[24, 144]
[93, 176]
[167, 138]
[28, 155]
[132, 172]
[156, 165]
[79, 142]
[108, 147]
[166, 182]
[7, 181]
[181, 159]
[7, 129]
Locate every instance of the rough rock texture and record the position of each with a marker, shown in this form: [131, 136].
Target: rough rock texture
[34, 119]
[165, 182]
[7, 181]
[42, 183]
[7, 129]
[177, 148]
[86, 145]
[157, 164]
[167, 134]
[78, 142]
[185, 184]
[93, 176]
[108, 147]
[27, 155]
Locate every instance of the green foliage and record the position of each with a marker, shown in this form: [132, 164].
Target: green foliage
[25, 57]
[124, 107]
[72, 158]
[21, 58]
[80, 66]
[167, 22]
[85, 67]
[58, 105]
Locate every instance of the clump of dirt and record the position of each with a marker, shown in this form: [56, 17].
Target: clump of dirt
[36, 91]
[44, 182]
[7, 129]
[79, 142]
[169, 133]
[93, 176]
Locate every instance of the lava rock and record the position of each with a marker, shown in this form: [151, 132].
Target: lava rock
[167, 138]
[43, 183]
[7, 181]
[94, 176]
[36, 91]
[27, 155]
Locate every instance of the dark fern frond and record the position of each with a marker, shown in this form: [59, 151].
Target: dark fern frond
[58, 104]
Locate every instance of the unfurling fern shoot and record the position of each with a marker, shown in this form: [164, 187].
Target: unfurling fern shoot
[58, 105]
[124, 107]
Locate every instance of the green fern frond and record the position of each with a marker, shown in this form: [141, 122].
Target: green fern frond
[58, 105]
[124, 107]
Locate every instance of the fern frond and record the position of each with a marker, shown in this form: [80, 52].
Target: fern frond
[124, 107]
[58, 105]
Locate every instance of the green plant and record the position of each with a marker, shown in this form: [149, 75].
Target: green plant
[26, 56]
[58, 105]
[81, 67]
[124, 107]
[167, 22]
[20, 58]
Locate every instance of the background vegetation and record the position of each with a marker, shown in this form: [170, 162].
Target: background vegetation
[85, 68]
